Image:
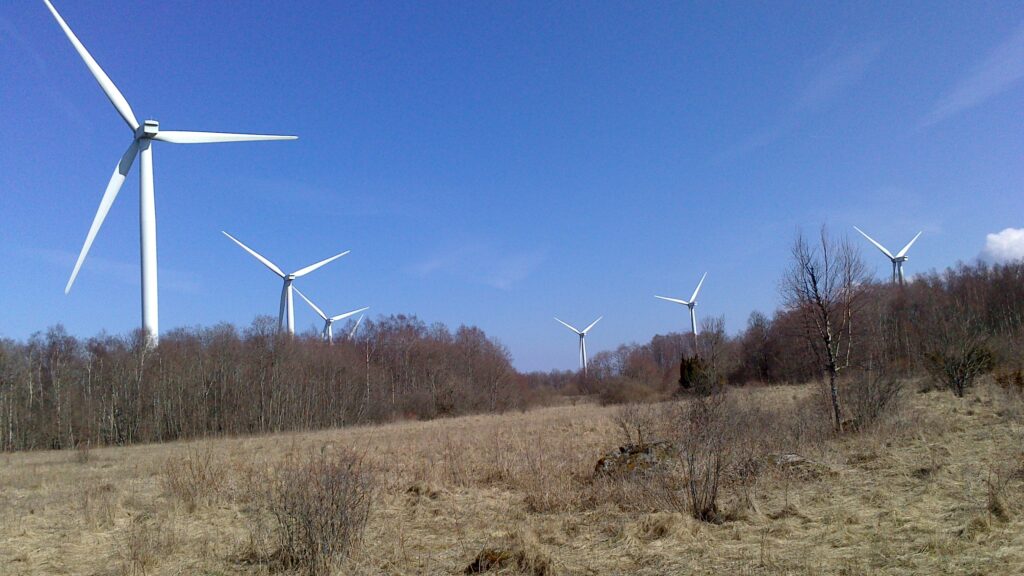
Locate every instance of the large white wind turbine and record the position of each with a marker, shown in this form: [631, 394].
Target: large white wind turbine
[286, 311]
[583, 341]
[329, 321]
[141, 146]
[691, 304]
[897, 260]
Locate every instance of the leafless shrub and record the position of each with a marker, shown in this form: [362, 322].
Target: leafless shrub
[953, 341]
[97, 503]
[639, 423]
[996, 501]
[871, 395]
[82, 453]
[196, 478]
[318, 506]
[705, 450]
[145, 540]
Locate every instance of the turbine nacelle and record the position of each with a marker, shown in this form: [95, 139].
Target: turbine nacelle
[149, 129]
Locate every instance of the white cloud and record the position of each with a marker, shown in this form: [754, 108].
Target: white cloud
[109, 270]
[837, 71]
[483, 265]
[1003, 67]
[841, 69]
[1004, 246]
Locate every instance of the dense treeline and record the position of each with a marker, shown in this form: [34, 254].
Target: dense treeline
[57, 391]
[902, 330]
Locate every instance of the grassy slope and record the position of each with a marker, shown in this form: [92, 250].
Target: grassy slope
[912, 500]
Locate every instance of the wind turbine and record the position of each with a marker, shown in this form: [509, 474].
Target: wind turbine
[328, 331]
[287, 310]
[352, 333]
[142, 138]
[583, 341]
[898, 259]
[691, 304]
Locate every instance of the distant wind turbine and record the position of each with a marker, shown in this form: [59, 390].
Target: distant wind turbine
[898, 259]
[583, 341]
[352, 333]
[142, 138]
[329, 321]
[691, 304]
[287, 309]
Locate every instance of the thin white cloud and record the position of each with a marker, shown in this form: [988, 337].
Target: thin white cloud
[1003, 67]
[483, 265]
[126, 273]
[1005, 246]
[842, 69]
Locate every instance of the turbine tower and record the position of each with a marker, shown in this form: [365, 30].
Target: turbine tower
[897, 260]
[142, 139]
[583, 341]
[328, 332]
[691, 304]
[286, 312]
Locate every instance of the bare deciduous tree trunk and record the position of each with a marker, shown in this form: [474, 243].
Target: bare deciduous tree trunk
[824, 286]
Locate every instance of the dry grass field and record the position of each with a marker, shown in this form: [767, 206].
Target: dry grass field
[933, 491]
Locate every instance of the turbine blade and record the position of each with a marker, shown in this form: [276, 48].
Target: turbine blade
[587, 329]
[872, 240]
[310, 302]
[569, 326]
[185, 137]
[312, 267]
[265, 262]
[347, 314]
[676, 300]
[115, 96]
[699, 284]
[903, 252]
[109, 195]
[352, 333]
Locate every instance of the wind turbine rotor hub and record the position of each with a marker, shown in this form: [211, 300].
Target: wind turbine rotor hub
[149, 129]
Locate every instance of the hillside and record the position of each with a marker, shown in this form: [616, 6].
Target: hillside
[934, 490]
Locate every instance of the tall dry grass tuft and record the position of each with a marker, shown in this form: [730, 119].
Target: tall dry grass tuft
[146, 540]
[518, 553]
[313, 510]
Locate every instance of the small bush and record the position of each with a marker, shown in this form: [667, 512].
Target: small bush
[196, 478]
[82, 454]
[957, 369]
[871, 396]
[639, 423]
[705, 450]
[318, 506]
[697, 375]
[143, 542]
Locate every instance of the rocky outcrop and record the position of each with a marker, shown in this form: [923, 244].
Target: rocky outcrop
[636, 457]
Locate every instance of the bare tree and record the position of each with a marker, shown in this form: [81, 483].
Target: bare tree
[824, 287]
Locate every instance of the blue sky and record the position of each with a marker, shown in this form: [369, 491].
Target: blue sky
[497, 164]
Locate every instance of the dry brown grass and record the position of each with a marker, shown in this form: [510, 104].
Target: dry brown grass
[936, 491]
